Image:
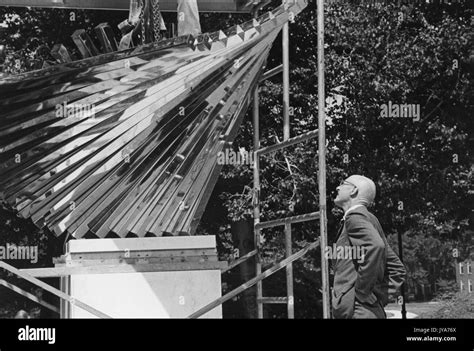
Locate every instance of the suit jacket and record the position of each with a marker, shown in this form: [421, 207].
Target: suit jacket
[371, 279]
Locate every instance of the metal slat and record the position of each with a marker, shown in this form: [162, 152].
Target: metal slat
[271, 73]
[165, 5]
[78, 160]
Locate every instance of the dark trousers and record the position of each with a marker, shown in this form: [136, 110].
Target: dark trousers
[368, 311]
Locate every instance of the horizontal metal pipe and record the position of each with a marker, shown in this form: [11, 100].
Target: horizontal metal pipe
[274, 300]
[296, 219]
[272, 72]
[289, 142]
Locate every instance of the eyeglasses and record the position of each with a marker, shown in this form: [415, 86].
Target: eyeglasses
[343, 182]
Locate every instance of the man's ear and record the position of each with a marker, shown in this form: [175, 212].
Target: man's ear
[354, 192]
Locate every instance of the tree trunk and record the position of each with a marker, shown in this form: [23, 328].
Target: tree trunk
[243, 238]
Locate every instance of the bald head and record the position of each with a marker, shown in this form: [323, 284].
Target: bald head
[366, 189]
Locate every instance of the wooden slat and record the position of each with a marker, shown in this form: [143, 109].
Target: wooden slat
[240, 260]
[147, 244]
[138, 254]
[139, 261]
[52, 290]
[29, 296]
[123, 268]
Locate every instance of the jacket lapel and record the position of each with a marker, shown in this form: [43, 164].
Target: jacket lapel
[341, 227]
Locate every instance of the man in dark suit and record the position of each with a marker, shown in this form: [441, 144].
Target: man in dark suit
[362, 284]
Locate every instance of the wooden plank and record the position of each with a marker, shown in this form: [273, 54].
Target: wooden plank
[124, 268]
[255, 280]
[240, 260]
[52, 290]
[140, 254]
[29, 296]
[165, 5]
[146, 244]
[138, 261]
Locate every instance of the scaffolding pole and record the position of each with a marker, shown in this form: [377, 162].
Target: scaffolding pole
[286, 83]
[289, 273]
[256, 199]
[286, 137]
[322, 160]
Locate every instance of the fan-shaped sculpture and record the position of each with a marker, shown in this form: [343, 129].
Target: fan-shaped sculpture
[125, 143]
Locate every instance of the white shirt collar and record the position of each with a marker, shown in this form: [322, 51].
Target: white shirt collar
[350, 209]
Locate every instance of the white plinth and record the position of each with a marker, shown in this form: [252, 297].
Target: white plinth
[163, 294]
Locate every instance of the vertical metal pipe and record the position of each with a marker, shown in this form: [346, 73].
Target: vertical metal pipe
[402, 288]
[289, 273]
[256, 198]
[286, 83]
[286, 136]
[322, 160]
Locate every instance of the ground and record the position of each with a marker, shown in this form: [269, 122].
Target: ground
[459, 307]
[414, 309]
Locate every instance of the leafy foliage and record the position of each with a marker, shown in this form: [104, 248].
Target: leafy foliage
[459, 306]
